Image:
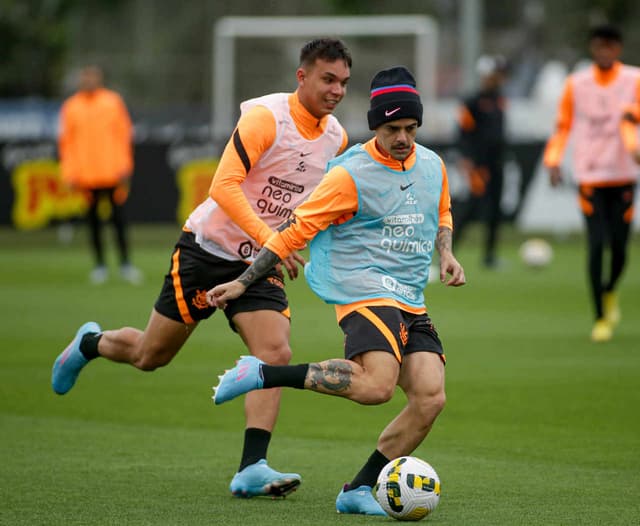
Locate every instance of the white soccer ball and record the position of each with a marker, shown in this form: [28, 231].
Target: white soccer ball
[408, 489]
[536, 253]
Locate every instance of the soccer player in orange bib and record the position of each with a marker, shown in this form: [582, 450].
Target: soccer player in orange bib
[374, 222]
[274, 159]
[598, 108]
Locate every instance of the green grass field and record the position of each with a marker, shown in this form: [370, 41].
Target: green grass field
[541, 426]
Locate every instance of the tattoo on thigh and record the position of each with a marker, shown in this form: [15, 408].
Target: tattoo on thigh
[332, 375]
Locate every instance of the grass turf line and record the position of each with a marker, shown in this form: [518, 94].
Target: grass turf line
[540, 425]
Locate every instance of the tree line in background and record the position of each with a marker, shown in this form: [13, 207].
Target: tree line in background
[160, 53]
[35, 39]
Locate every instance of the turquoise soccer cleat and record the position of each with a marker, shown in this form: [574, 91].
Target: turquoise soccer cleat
[70, 362]
[244, 377]
[358, 501]
[260, 480]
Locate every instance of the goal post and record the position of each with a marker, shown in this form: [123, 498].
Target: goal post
[228, 30]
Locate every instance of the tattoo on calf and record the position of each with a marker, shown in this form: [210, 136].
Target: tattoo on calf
[332, 375]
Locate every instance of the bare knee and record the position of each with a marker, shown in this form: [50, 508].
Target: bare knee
[276, 353]
[150, 359]
[266, 335]
[146, 350]
[438, 401]
[429, 405]
[146, 364]
[377, 394]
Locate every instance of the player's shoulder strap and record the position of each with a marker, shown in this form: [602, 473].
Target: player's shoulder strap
[272, 101]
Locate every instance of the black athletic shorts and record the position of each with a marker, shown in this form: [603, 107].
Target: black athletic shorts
[193, 271]
[608, 204]
[389, 329]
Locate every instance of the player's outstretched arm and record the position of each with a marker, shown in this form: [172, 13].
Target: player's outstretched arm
[448, 263]
[221, 294]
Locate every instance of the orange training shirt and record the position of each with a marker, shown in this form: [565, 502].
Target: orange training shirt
[95, 142]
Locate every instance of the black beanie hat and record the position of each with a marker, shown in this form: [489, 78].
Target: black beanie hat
[394, 96]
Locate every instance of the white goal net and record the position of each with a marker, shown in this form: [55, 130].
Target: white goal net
[253, 56]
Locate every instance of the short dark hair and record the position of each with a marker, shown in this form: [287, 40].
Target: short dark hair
[329, 49]
[605, 32]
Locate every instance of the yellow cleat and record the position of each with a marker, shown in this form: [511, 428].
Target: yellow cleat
[611, 307]
[602, 331]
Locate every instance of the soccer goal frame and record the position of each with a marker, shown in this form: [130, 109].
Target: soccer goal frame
[228, 29]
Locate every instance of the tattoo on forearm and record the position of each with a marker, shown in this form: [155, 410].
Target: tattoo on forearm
[330, 376]
[443, 239]
[264, 262]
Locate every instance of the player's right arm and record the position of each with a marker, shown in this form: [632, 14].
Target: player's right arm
[554, 150]
[448, 263]
[253, 136]
[629, 125]
[466, 128]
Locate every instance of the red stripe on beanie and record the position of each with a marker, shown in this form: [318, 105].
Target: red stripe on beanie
[390, 89]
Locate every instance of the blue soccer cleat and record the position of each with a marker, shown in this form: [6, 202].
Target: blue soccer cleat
[358, 501]
[244, 377]
[70, 362]
[260, 480]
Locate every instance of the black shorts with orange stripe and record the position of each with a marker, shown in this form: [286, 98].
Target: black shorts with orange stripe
[193, 271]
[389, 329]
[612, 204]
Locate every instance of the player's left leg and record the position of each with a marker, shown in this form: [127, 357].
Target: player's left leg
[118, 197]
[620, 217]
[368, 375]
[422, 380]
[368, 381]
[493, 212]
[266, 335]
[421, 376]
[593, 209]
[356, 497]
[99, 274]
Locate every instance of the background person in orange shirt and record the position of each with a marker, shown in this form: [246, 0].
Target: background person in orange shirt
[597, 108]
[95, 147]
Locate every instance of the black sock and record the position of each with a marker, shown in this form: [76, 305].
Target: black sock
[284, 375]
[368, 475]
[89, 345]
[256, 442]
